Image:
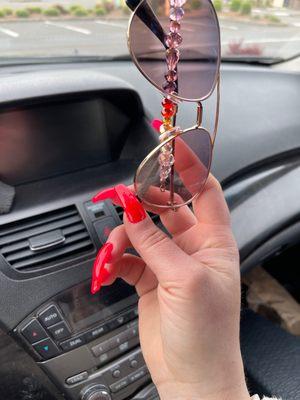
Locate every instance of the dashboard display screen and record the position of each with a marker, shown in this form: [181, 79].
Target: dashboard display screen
[82, 309]
[48, 139]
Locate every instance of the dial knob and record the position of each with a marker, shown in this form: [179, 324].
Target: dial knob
[96, 392]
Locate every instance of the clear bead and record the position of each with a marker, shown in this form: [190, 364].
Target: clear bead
[172, 57]
[177, 3]
[166, 159]
[173, 39]
[164, 172]
[176, 13]
[171, 76]
[169, 87]
[174, 26]
[167, 148]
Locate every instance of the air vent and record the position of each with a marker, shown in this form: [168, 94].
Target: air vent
[45, 239]
[120, 210]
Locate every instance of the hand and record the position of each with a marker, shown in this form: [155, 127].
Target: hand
[189, 293]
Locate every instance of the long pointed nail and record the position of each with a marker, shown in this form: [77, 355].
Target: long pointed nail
[105, 194]
[132, 207]
[100, 273]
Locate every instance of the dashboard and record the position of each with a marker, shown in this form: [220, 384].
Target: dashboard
[68, 130]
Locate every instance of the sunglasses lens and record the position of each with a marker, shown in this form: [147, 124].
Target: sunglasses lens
[199, 49]
[192, 157]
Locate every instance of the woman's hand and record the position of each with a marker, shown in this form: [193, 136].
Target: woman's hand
[189, 289]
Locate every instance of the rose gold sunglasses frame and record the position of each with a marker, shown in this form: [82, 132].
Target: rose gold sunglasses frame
[176, 98]
[171, 138]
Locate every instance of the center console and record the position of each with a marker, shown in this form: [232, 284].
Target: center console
[89, 345]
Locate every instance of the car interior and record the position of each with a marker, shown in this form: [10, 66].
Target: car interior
[69, 128]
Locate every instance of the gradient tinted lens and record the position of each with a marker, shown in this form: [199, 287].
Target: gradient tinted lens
[198, 64]
[191, 168]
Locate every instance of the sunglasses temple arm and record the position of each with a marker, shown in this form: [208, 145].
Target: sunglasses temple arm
[217, 111]
[147, 16]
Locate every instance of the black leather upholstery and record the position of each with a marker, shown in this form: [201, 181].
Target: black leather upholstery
[271, 356]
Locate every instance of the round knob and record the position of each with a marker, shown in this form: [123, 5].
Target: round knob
[96, 392]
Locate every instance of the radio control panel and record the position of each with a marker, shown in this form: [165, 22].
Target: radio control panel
[49, 335]
[89, 346]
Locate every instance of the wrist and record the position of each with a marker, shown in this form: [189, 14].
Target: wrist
[190, 391]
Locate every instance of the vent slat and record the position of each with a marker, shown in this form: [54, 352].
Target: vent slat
[40, 229]
[63, 251]
[73, 229]
[21, 255]
[38, 220]
[14, 247]
[14, 239]
[24, 243]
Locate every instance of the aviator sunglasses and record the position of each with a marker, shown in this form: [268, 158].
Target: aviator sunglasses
[175, 44]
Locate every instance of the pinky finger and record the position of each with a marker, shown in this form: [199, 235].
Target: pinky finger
[134, 271]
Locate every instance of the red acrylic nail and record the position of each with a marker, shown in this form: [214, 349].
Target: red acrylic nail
[132, 207]
[156, 124]
[105, 194]
[100, 273]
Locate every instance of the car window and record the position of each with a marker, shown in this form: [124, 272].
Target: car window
[263, 30]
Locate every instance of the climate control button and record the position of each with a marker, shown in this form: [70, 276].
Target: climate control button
[50, 316]
[46, 348]
[72, 343]
[59, 331]
[34, 332]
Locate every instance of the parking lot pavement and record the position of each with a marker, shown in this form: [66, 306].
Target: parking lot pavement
[108, 37]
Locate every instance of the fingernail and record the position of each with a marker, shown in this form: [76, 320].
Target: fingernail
[156, 124]
[105, 194]
[132, 207]
[100, 273]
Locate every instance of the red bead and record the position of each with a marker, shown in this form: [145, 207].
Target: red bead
[166, 102]
[167, 113]
[169, 106]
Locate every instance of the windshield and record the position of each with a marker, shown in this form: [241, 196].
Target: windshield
[266, 30]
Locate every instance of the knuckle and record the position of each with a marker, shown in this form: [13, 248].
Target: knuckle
[153, 238]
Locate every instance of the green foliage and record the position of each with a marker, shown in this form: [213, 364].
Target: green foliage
[218, 4]
[22, 13]
[51, 12]
[7, 11]
[34, 10]
[246, 8]
[235, 5]
[273, 19]
[2, 14]
[74, 7]
[62, 10]
[195, 4]
[80, 12]
[99, 10]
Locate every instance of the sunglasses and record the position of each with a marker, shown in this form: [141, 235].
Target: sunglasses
[175, 44]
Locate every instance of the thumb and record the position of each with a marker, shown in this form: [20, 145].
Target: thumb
[167, 261]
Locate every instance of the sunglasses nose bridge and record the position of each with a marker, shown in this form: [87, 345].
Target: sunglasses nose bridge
[199, 113]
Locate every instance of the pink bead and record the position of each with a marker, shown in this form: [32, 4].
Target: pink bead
[177, 3]
[174, 26]
[169, 87]
[172, 57]
[176, 13]
[156, 124]
[173, 39]
[171, 76]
